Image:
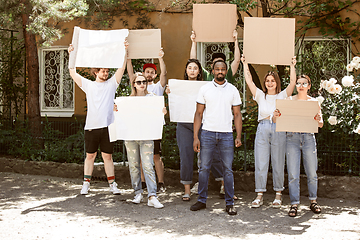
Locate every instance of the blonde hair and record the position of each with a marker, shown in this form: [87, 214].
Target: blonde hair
[132, 83]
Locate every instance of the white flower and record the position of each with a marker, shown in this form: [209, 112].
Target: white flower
[323, 84]
[329, 85]
[349, 68]
[355, 65]
[332, 120]
[357, 130]
[332, 80]
[338, 88]
[347, 81]
[356, 59]
[331, 89]
[320, 99]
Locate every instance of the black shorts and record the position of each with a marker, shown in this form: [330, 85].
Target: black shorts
[96, 137]
[157, 146]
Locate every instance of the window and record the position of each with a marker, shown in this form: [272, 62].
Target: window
[56, 85]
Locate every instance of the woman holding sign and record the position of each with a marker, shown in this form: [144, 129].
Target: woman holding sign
[143, 149]
[304, 144]
[185, 133]
[268, 142]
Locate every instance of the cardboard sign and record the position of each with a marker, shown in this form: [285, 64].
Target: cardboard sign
[182, 99]
[145, 43]
[297, 116]
[98, 48]
[138, 118]
[214, 22]
[269, 41]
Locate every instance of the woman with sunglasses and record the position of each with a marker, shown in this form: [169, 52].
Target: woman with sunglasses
[304, 144]
[268, 142]
[142, 150]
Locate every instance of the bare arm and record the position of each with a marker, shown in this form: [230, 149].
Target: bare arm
[236, 62]
[290, 88]
[130, 69]
[162, 68]
[193, 52]
[238, 125]
[248, 77]
[197, 123]
[74, 75]
[120, 71]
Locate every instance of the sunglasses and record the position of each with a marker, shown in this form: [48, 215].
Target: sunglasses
[305, 84]
[141, 82]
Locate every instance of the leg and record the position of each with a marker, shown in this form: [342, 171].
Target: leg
[184, 138]
[147, 159]
[133, 153]
[207, 146]
[89, 163]
[262, 155]
[293, 154]
[226, 146]
[108, 165]
[310, 165]
[159, 165]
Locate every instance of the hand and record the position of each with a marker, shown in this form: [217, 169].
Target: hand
[115, 108]
[317, 117]
[126, 43]
[238, 142]
[192, 36]
[277, 113]
[293, 61]
[161, 53]
[167, 90]
[235, 35]
[164, 111]
[71, 48]
[242, 58]
[196, 145]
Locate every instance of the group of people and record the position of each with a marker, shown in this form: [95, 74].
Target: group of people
[217, 113]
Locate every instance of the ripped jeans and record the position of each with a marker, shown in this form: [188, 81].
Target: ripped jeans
[142, 150]
[304, 144]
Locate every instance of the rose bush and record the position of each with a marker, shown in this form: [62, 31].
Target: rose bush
[340, 103]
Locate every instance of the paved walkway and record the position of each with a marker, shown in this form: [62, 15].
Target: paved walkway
[43, 207]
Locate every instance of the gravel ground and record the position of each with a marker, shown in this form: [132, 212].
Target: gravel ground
[43, 207]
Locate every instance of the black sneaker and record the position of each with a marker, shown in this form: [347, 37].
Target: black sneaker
[161, 187]
[230, 210]
[198, 206]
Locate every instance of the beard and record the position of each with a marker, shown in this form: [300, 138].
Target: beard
[149, 78]
[220, 78]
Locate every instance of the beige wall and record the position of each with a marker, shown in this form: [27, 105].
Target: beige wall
[175, 30]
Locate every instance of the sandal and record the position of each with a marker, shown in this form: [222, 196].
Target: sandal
[293, 211]
[258, 201]
[186, 197]
[235, 197]
[277, 202]
[315, 208]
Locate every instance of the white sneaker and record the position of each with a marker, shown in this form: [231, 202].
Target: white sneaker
[194, 189]
[154, 202]
[114, 189]
[137, 199]
[222, 190]
[85, 188]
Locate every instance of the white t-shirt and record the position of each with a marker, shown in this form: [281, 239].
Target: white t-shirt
[267, 106]
[100, 102]
[218, 100]
[156, 88]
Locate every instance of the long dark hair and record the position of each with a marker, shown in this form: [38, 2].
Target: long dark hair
[199, 77]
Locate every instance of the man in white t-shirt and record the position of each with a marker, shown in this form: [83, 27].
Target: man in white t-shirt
[217, 101]
[100, 96]
[149, 71]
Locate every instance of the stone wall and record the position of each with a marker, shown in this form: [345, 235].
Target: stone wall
[329, 186]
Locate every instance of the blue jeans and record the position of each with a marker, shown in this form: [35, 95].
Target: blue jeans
[185, 139]
[268, 143]
[225, 143]
[141, 151]
[304, 143]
